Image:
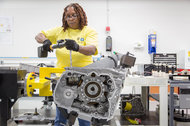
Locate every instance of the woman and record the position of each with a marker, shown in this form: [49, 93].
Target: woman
[80, 38]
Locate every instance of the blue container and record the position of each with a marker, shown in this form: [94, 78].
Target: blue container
[151, 43]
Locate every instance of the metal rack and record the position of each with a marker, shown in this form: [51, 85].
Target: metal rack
[175, 83]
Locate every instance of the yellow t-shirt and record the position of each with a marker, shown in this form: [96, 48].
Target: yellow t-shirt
[86, 36]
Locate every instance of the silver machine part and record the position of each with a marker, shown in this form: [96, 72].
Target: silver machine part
[184, 101]
[29, 68]
[184, 97]
[92, 91]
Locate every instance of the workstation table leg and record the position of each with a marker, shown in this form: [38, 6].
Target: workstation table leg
[163, 105]
[171, 106]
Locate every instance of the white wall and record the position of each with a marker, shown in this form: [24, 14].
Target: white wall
[130, 22]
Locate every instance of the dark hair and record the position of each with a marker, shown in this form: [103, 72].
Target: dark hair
[81, 16]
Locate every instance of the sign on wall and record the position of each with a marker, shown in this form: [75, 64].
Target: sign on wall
[6, 30]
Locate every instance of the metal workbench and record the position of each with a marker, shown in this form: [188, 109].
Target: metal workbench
[162, 82]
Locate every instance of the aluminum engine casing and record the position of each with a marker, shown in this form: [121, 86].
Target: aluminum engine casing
[91, 92]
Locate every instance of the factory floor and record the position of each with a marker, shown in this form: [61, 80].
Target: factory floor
[36, 102]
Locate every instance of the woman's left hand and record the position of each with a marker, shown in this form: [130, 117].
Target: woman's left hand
[71, 45]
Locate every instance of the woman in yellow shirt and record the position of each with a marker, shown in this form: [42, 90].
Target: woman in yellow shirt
[80, 38]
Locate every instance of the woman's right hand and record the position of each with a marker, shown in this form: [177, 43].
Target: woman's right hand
[40, 38]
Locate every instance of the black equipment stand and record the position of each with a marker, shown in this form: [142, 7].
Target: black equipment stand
[9, 92]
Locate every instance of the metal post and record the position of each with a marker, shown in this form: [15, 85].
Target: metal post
[145, 97]
[171, 104]
[70, 58]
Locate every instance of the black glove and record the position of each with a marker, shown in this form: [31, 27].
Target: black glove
[71, 45]
[46, 45]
